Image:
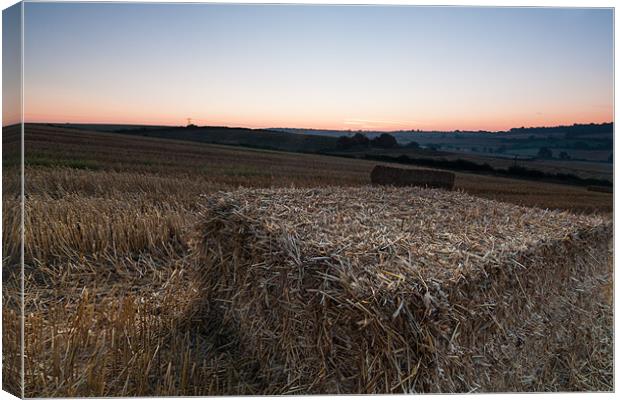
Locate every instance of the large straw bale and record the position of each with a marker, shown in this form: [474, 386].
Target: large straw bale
[382, 175]
[382, 290]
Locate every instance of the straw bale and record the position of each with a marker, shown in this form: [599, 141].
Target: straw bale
[382, 175]
[388, 290]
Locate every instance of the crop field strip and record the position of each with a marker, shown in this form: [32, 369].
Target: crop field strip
[584, 169]
[110, 306]
[227, 165]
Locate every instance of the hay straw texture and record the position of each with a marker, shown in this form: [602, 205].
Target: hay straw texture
[392, 290]
[382, 175]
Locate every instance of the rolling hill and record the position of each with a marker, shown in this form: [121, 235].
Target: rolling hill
[258, 138]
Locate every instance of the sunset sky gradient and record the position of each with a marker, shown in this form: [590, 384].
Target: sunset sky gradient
[324, 67]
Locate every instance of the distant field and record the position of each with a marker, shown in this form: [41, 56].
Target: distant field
[259, 138]
[106, 254]
[479, 148]
[224, 167]
[583, 169]
[576, 154]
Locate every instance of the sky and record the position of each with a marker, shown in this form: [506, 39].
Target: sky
[323, 67]
[11, 65]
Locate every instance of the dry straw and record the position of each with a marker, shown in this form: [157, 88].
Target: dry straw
[382, 175]
[384, 290]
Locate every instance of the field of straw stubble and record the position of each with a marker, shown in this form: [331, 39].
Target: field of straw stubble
[113, 303]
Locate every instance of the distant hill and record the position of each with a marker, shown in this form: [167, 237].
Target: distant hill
[571, 131]
[106, 127]
[257, 138]
[602, 131]
[578, 142]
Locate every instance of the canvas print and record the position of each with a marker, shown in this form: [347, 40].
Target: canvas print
[274, 199]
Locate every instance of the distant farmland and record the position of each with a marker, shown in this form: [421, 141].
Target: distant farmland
[258, 138]
[578, 172]
[229, 166]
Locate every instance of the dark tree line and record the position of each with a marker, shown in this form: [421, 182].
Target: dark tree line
[514, 171]
[570, 131]
[545, 152]
[359, 140]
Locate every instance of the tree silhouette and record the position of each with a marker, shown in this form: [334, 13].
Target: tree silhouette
[384, 141]
[360, 139]
[346, 142]
[545, 152]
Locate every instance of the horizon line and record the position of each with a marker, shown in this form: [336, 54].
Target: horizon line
[313, 129]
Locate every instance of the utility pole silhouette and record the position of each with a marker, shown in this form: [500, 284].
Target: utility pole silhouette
[189, 121]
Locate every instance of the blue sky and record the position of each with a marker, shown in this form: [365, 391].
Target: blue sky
[11, 68]
[343, 67]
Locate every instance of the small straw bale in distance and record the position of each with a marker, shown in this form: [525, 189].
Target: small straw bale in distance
[382, 175]
[391, 290]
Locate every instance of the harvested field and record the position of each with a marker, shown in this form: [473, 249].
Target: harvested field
[384, 290]
[73, 159]
[602, 189]
[112, 306]
[383, 175]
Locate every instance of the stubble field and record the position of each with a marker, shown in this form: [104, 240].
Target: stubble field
[110, 308]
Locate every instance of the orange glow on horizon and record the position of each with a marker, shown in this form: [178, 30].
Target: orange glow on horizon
[353, 124]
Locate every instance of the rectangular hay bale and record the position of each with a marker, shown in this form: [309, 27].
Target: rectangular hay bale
[382, 175]
[392, 290]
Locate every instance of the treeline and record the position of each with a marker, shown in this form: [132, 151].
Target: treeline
[570, 131]
[514, 171]
[359, 140]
